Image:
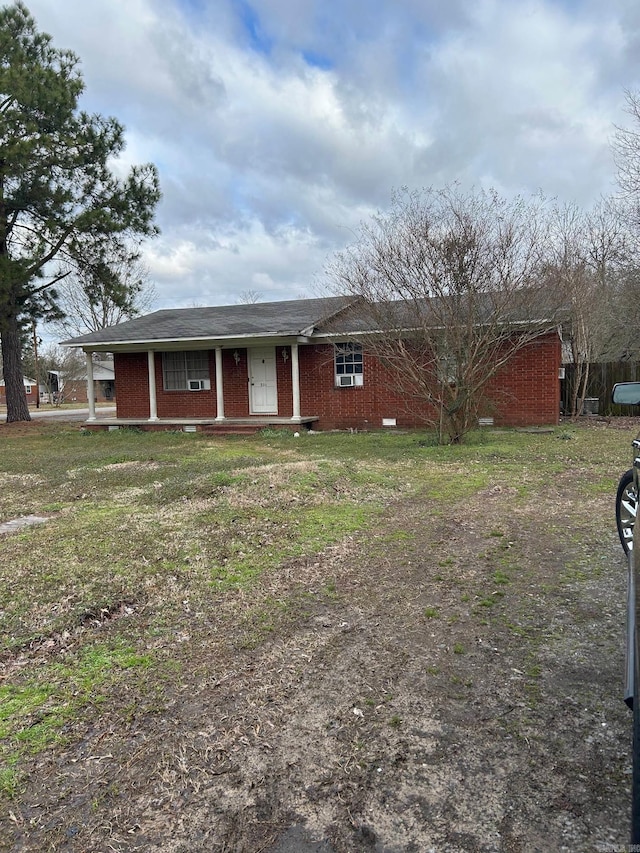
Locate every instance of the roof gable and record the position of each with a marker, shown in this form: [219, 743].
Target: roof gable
[25, 381]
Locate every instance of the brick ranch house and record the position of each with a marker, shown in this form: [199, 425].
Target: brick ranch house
[30, 390]
[284, 363]
[75, 388]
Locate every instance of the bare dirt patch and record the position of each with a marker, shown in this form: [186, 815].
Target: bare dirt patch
[451, 682]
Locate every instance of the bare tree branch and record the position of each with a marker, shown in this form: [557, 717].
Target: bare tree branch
[452, 282]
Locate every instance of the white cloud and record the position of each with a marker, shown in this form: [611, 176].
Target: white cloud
[193, 268]
[277, 130]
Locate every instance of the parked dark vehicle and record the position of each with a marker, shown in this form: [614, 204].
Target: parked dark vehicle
[628, 393]
[626, 505]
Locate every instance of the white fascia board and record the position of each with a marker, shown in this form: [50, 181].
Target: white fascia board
[187, 343]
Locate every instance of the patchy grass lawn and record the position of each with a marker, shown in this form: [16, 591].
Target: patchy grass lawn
[174, 563]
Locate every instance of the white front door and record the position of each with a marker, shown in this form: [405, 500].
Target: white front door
[262, 381]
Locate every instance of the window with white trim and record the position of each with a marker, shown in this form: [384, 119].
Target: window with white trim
[186, 371]
[348, 364]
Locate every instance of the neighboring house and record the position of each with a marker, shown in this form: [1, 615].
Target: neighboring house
[30, 388]
[74, 388]
[295, 362]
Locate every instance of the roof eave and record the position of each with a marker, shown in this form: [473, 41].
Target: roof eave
[142, 344]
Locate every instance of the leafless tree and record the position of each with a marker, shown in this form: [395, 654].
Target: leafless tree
[96, 296]
[249, 297]
[61, 363]
[626, 152]
[593, 256]
[452, 282]
[570, 273]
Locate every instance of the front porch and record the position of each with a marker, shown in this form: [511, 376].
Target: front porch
[210, 426]
[247, 382]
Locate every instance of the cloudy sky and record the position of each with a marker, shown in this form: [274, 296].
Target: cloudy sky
[278, 125]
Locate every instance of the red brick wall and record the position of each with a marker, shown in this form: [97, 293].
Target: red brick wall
[526, 392]
[76, 392]
[235, 383]
[132, 384]
[185, 404]
[31, 398]
[285, 382]
[343, 408]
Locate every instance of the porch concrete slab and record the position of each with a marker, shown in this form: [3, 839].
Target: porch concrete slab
[208, 425]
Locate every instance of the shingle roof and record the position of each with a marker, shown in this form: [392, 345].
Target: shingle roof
[326, 316]
[521, 307]
[285, 318]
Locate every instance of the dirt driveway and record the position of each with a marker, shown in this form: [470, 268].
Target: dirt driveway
[452, 683]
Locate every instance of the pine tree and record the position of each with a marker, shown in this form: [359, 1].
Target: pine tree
[59, 200]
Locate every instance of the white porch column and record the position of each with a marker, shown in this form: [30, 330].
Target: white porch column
[295, 382]
[219, 388]
[91, 393]
[153, 400]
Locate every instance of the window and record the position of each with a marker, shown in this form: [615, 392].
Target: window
[182, 371]
[348, 365]
[448, 369]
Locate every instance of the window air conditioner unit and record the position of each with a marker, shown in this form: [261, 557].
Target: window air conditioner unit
[199, 385]
[346, 381]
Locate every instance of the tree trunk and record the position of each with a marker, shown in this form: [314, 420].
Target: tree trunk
[17, 407]
[577, 383]
[584, 382]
